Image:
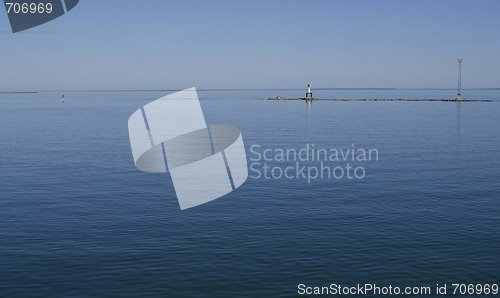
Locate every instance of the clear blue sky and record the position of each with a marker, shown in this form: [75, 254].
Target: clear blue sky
[158, 44]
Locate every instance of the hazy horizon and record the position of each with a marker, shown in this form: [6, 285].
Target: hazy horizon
[237, 89]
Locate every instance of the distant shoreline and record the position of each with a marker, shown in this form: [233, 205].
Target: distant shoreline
[249, 89]
[18, 92]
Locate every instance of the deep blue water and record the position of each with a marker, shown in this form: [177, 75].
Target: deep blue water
[77, 219]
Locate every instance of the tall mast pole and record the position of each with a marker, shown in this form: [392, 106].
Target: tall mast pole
[459, 93]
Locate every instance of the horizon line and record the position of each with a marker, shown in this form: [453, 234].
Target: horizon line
[242, 89]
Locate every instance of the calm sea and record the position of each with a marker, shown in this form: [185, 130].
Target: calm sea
[77, 219]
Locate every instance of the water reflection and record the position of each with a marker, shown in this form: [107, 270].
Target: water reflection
[458, 121]
[309, 108]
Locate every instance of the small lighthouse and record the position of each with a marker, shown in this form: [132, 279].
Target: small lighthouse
[309, 94]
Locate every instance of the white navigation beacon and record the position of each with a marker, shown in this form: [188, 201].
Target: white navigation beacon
[309, 94]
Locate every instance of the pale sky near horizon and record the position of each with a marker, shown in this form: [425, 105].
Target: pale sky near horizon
[158, 44]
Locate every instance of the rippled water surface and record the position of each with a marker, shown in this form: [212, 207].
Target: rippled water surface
[78, 219]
